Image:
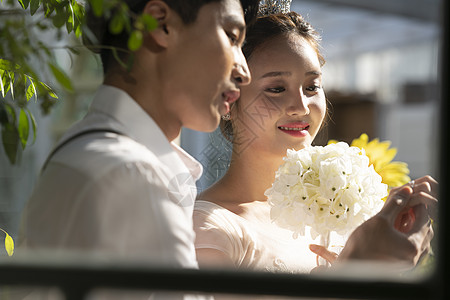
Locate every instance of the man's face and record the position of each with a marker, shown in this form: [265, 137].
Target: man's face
[208, 66]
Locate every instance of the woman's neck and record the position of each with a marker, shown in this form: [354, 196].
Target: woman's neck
[246, 180]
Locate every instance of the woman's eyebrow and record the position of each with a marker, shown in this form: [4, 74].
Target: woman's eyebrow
[276, 74]
[280, 73]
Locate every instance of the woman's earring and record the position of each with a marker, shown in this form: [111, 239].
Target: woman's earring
[226, 117]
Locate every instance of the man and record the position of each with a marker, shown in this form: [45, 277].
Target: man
[116, 185]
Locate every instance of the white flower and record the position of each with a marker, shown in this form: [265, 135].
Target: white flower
[329, 188]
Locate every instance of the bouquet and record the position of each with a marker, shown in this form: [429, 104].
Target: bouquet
[330, 188]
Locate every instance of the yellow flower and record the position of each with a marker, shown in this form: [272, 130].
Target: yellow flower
[394, 173]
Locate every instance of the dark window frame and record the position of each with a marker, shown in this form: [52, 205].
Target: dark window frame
[76, 279]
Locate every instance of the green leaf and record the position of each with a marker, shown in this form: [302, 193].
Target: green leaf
[2, 87]
[4, 119]
[20, 88]
[135, 40]
[9, 243]
[97, 7]
[11, 140]
[78, 11]
[60, 18]
[31, 90]
[10, 110]
[33, 124]
[24, 3]
[11, 83]
[24, 128]
[5, 82]
[78, 31]
[48, 9]
[150, 22]
[49, 90]
[79, 17]
[34, 5]
[7, 65]
[61, 77]
[46, 103]
[70, 23]
[117, 23]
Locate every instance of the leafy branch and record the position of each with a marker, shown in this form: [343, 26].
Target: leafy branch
[15, 118]
[27, 64]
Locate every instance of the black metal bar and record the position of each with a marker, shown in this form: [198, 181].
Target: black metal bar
[87, 276]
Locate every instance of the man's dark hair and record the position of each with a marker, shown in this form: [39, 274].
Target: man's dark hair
[186, 9]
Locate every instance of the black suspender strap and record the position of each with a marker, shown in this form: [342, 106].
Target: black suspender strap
[86, 132]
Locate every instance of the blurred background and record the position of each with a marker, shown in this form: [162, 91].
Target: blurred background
[381, 78]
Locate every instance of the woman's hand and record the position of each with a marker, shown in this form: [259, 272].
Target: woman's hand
[323, 252]
[402, 230]
[424, 194]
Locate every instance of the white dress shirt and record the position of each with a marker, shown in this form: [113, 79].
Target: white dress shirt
[127, 195]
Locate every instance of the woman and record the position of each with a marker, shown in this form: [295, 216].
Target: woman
[284, 107]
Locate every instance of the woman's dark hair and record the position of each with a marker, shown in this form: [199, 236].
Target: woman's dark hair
[264, 30]
[272, 26]
[187, 10]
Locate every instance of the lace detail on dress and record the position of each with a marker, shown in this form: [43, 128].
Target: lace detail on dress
[279, 266]
[252, 242]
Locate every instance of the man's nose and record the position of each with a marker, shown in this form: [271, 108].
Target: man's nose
[241, 72]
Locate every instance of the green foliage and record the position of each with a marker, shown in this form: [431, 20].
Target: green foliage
[61, 77]
[9, 243]
[16, 120]
[27, 63]
[135, 40]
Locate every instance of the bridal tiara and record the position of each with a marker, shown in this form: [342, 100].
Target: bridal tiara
[271, 7]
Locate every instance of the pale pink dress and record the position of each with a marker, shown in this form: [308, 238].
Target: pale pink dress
[252, 241]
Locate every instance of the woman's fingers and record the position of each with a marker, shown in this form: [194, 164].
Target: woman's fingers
[421, 239]
[423, 187]
[428, 181]
[425, 184]
[422, 198]
[323, 252]
[410, 195]
[396, 202]
[413, 219]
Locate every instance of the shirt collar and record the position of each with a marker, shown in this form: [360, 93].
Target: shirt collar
[136, 123]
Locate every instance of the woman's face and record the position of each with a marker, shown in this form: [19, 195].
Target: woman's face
[284, 105]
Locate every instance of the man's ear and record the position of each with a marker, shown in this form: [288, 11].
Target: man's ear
[162, 13]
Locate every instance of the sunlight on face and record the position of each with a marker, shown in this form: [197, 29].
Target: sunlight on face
[203, 84]
[284, 105]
